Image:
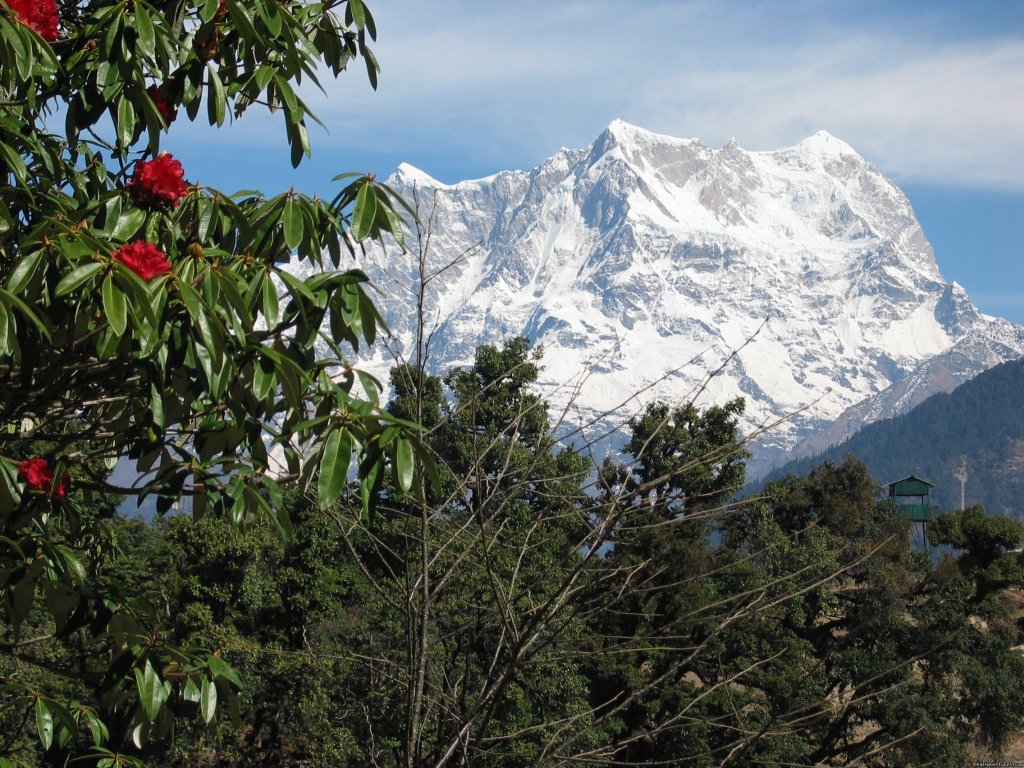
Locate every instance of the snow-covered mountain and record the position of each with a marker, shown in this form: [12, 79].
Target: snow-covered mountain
[646, 262]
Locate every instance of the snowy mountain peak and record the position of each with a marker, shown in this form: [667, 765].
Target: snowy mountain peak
[824, 144]
[638, 146]
[410, 174]
[647, 261]
[627, 133]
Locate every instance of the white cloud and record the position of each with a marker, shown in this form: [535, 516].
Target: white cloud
[507, 84]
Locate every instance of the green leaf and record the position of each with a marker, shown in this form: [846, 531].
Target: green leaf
[207, 209]
[298, 138]
[292, 224]
[23, 272]
[191, 692]
[4, 327]
[428, 465]
[13, 302]
[115, 306]
[372, 67]
[14, 162]
[393, 221]
[128, 224]
[297, 286]
[368, 487]
[152, 697]
[6, 219]
[334, 464]
[112, 46]
[209, 10]
[77, 277]
[146, 43]
[97, 728]
[125, 122]
[263, 379]
[75, 566]
[107, 343]
[270, 302]
[209, 329]
[271, 16]
[156, 404]
[19, 39]
[404, 465]
[44, 724]
[357, 12]
[215, 98]
[308, 424]
[365, 212]
[69, 728]
[208, 700]
[221, 669]
[371, 387]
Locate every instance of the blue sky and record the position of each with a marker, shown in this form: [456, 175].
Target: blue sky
[931, 92]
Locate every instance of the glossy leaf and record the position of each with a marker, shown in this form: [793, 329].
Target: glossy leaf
[4, 329]
[24, 271]
[215, 97]
[128, 224]
[77, 277]
[404, 465]
[334, 464]
[114, 306]
[292, 224]
[365, 213]
[270, 303]
[125, 122]
[208, 700]
[146, 41]
[44, 723]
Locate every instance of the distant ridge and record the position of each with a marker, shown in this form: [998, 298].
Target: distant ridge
[981, 420]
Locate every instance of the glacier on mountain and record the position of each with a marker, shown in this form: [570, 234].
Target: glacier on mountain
[645, 263]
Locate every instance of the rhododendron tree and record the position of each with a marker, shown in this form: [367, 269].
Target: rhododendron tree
[153, 323]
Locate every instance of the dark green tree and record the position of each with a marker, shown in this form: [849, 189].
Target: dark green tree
[684, 466]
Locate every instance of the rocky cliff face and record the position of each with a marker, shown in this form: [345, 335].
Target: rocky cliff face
[644, 263]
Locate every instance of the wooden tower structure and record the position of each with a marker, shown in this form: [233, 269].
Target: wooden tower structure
[911, 495]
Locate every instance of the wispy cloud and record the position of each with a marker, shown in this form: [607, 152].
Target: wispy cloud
[932, 97]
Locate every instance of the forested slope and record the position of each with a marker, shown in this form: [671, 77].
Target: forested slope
[981, 420]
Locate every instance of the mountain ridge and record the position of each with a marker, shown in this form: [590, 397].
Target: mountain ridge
[644, 252]
[978, 423]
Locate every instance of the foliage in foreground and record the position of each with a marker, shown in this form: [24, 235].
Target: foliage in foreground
[523, 613]
[149, 320]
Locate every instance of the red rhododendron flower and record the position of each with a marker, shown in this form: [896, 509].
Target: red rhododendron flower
[158, 183]
[144, 259]
[168, 111]
[38, 474]
[40, 15]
